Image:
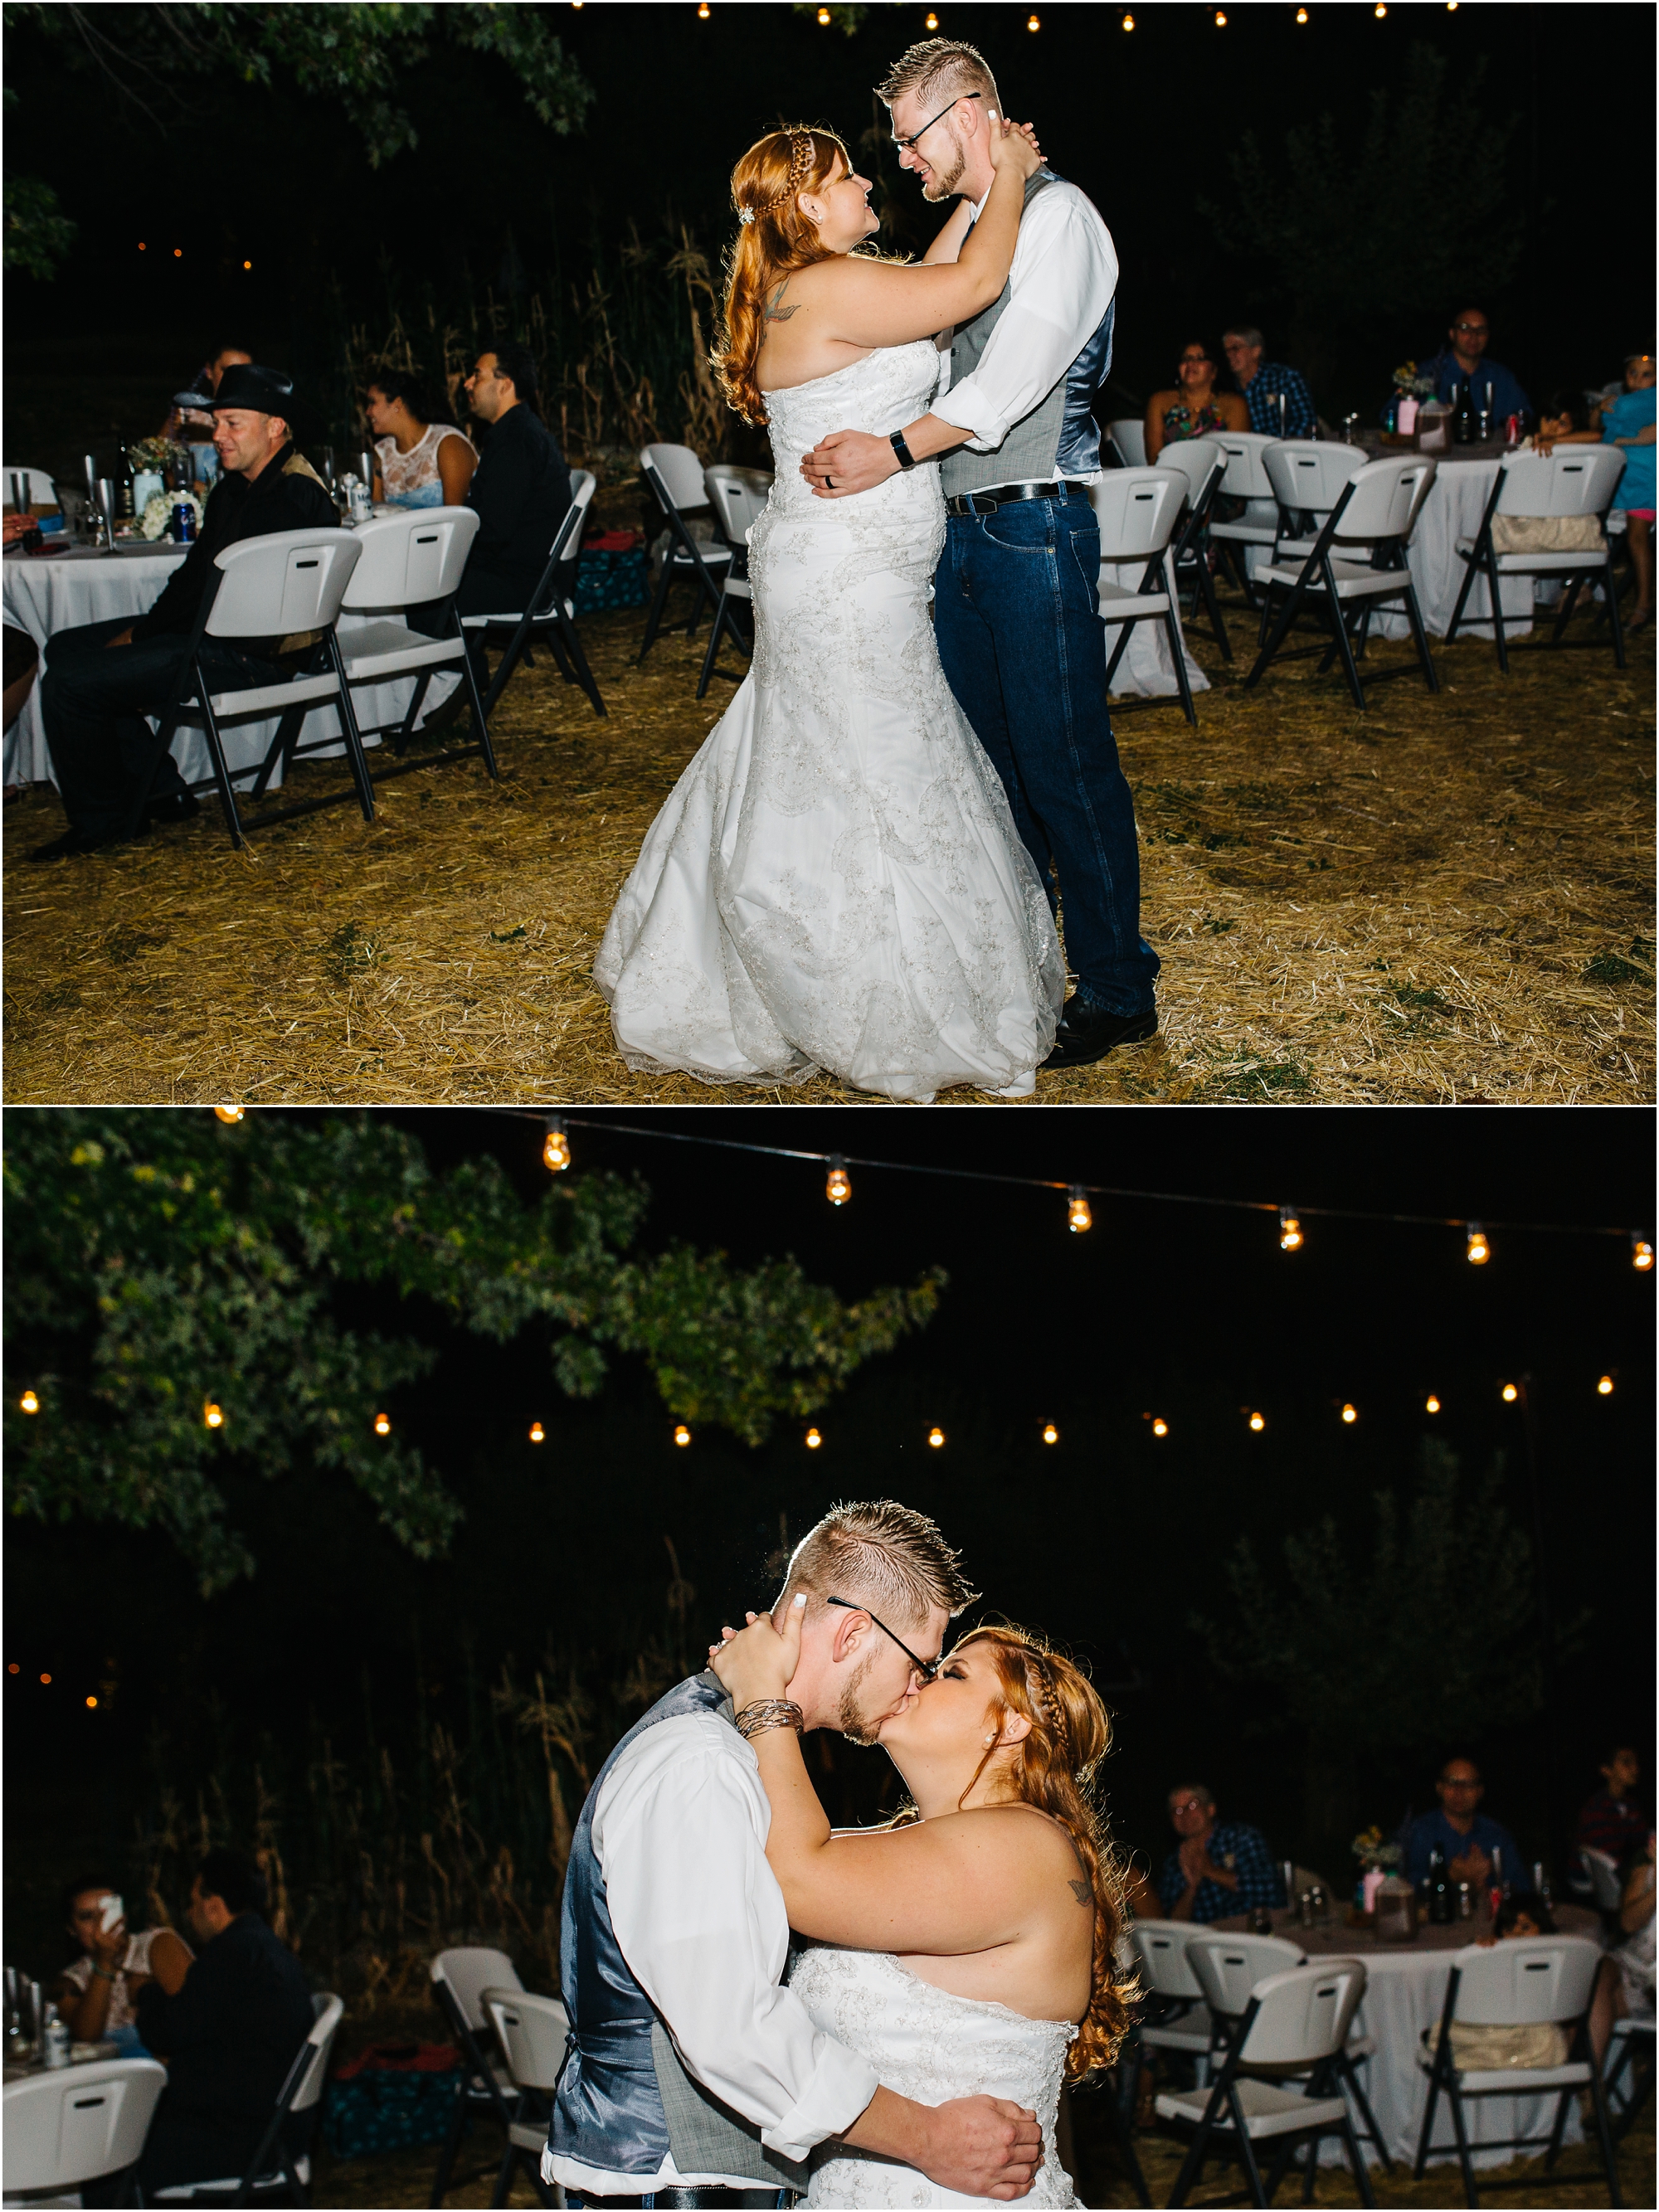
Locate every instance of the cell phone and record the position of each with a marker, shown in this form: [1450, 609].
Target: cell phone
[114, 1913]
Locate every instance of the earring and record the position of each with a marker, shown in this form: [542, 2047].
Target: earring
[990, 1740]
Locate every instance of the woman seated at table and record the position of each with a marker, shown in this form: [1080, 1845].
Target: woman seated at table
[95, 1994]
[1193, 408]
[419, 461]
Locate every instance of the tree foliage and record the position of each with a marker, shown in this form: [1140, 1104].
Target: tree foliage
[156, 1261]
[353, 54]
[1428, 1620]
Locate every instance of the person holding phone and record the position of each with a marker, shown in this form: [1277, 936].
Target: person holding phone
[95, 1996]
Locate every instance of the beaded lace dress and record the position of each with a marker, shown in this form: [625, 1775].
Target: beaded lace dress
[835, 883]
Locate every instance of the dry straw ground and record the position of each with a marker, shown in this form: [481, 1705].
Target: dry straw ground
[1441, 899]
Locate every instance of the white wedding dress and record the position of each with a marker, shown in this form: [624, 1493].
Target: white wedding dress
[926, 2044]
[836, 883]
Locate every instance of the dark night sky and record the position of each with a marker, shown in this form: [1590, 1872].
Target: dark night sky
[1109, 1541]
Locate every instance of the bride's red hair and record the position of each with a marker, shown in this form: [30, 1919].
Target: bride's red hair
[774, 239]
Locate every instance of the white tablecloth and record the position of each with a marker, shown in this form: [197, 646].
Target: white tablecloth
[60, 591]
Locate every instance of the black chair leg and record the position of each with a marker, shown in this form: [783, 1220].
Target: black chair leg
[480, 719]
[584, 673]
[1362, 2180]
[1427, 2135]
[447, 2155]
[504, 2178]
[1497, 613]
[1611, 589]
[1568, 601]
[1177, 653]
[403, 735]
[1212, 607]
[221, 771]
[1124, 629]
[1367, 2119]
[654, 620]
[1420, 638]
[708, 658]
[1604, 2132]
[280, 748]
[1344, 645]
[1281, 630]
[1469, 568]
[1462, 2135]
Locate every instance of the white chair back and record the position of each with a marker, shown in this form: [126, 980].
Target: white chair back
[1385, 497]
[1246, 477]
[1527, 1980]
[1162, 1945]
[1305, 2014]
[1572, 480]
[1307, 474]
[735, 500]
[292, 580]
[328, 2009]
[1228, 1967]
[411, 557]
[1137, 510]
[583, 485]
[680, 472]
[1197, 459]
[1604, 1879]
[1128, 436]
[40, 490]
[533, 2033]
[466, 1974]
[74, 2125]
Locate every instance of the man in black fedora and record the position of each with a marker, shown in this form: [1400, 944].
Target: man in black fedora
[104, 677]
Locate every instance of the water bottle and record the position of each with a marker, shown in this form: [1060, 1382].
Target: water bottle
[55, 2044]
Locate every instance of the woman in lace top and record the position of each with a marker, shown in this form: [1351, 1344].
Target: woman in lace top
[94, 1995]
[1193, 408]
[419, 461]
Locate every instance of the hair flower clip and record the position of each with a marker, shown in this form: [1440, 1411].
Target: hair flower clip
[745, 214]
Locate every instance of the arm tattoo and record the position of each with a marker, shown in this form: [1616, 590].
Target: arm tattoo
[775, 313]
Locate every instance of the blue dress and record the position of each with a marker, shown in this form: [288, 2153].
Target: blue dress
[1627, 415]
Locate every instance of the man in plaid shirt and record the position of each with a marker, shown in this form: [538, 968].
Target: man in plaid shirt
[1222, 1867]
[1261, 382]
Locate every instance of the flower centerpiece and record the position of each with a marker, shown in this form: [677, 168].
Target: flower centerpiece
[1406, 380]
[150, 456]
[157, 518]
[1377, 1860]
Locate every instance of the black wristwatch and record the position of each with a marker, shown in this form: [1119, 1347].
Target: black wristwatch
[907, 459]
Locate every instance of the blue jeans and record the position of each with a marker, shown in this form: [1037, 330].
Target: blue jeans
[1016, 614]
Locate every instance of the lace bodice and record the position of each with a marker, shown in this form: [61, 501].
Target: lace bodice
[883, 392]
[927, 2043]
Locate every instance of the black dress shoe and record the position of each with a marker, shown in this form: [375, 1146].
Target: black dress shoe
[71, 842]
[1088, 1033]
[176, 807]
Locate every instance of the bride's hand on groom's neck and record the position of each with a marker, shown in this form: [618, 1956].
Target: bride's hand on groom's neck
[758, 1661]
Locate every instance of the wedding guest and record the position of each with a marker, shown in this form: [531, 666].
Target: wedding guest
[192, 408]
[1463, 361]
[1220, 1868]
[1612, 1819]
[1564, 419]
[1628, 423]
[1464, 1836]
[228, 2032]
[1264, 382]
[102, 678]
[420, 459]
[520, 490]
[1192, 407]
[95, 1993]
[1625, 1987]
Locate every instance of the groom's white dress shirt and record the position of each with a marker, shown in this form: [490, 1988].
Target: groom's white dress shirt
[1060, 284]
[680, 1833]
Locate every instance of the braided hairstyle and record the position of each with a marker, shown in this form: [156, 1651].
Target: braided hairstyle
[774, 239]
[1053, 1768]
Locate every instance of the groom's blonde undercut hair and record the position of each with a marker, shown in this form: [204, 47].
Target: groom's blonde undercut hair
[881, 1554]
[938, 71]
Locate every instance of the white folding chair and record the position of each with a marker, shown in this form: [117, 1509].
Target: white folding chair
[1246, 480]
[1295, 2021]
[533, 2032]
[1203, 463]
[70, 2127]
[1523, 1983]
[738, 505]
[282, 2160]
[1308, 476]
[1138, 510]
[1607, 1891]
[549, 618]
[1127, 438]
[1629, 2054]
[1227, 1969]
[1574, 480]
[1183, 2021]
[289, 584]
[674, 477]
[459, 1978]
[39, 490]
[1372, 520]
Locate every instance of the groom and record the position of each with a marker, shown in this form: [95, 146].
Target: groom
[1016, 598]
[692, 2077]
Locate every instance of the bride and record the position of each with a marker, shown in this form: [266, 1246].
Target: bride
[835, 883]
[969, 1947]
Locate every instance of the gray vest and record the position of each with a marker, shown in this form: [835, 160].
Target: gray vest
[1058, 437]
[623, 2101]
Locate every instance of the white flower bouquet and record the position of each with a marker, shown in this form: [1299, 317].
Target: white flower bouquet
[1406, 379]
[157, 518]
[1372, 1853]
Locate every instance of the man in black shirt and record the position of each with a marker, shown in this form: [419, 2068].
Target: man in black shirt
[103, 679]
[520, 489]
[229, 2036]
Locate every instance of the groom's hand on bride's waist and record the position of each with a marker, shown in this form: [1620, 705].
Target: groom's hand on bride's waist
[973, 2146]
[850, 461]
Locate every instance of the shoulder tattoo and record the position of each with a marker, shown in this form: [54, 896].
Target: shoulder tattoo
[775, 312]
[1083, 1890]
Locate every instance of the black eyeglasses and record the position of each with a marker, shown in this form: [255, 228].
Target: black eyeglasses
[926, 1667]
[904, 146]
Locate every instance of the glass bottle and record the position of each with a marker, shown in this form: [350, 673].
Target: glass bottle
[1463, 420]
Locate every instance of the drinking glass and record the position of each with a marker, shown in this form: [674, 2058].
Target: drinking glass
[106, 509]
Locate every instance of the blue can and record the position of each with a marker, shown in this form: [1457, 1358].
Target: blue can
[183, 522]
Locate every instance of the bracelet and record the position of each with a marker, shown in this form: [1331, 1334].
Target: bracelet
[104, 1975]
[907, 459]
[769, 1713]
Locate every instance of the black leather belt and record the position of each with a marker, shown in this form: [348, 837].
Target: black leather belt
[988, 503]
[678, 2194]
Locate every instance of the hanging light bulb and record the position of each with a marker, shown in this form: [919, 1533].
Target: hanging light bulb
[1257, 1423]
[1160, 1428]
[1604, 1387]
[213, 1415]
[383, 1425]
[1431, 1404]
[538, 1433]
[556, 1147]
[1033, 23]
[229, 1113]
[1050, 1433]
[837, 1184]
[1479, 1250]
[1510, 1393]
[1078, 1216]
[1641, 1254]
[813, 1440]
[1379, 11]
[1221, 20]
[1128, 22]
[1290, 1229]
[681, 1434]
[29, 1402]
[91, 1703]
[1301, 14]
[936, 1438]
[931, 21]
[823, 14]
[702, 12]
[1349, 1414]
